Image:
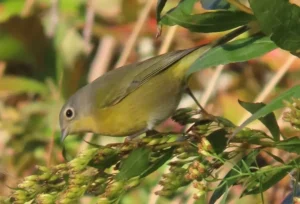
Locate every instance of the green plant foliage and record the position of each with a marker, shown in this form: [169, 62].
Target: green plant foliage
[235, 51]
[218, 140]
[268, 120]
[231, 177]
[290, 145]
[158, 163]
[279, 20]
[137, 161]
[46, 55]
[276, 158]
[124, 166]
[206, 22]
[272, 106]
[264, 181]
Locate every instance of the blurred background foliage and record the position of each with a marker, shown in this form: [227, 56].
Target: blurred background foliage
[50, 48]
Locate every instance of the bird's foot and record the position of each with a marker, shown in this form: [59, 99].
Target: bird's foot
[135, 135]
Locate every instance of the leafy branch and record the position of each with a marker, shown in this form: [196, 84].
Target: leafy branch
[110, 171]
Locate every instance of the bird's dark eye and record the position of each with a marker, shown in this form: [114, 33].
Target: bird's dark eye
[69, 113]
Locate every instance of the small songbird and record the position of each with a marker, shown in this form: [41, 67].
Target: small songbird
[134, 98]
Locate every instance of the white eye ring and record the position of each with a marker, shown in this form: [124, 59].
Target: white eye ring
[69, 113]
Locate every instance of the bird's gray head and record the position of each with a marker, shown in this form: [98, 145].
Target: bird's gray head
[73, 117]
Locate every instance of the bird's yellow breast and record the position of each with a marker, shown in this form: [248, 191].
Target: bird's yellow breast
[144, 108]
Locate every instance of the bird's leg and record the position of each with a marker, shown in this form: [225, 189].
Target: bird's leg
[150, 133]
[189, 91]
[131, 137]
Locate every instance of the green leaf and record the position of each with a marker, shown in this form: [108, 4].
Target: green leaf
[223, 201]
[136, 163]
[264, 181]
[235, 51]
[225, 121]
[16, 85]
[110, 160]
[276, 158]
[280, 20]
[290, 145]
[268, 120]
[275, 104]
[207, 22]
[158, 163]
[227, 181]
[218, 140]
[184, 7]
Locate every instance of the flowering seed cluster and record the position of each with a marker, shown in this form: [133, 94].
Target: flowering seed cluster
[293, 116]
[184, 116]
[64, 183]
[95, 171]
[173, 180]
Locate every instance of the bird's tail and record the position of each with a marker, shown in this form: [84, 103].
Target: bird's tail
[233, 34]
[192, 54]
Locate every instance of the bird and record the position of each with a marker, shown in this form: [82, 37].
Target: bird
[135, 98]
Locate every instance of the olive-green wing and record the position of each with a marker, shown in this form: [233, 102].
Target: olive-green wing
[127, 79]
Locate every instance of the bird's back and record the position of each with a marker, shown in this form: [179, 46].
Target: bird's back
[115, 85]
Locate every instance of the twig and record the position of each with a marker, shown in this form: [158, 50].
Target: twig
[276, 78]
[168, 40]
[87, 30]
[2, 67]
[99, 67]
[212, 85]
[133, 37]
[240, 6]
[54, 17]
[103, 57]
[50, 148]
[27, 7]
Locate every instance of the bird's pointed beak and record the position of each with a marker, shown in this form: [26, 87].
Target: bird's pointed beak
[64, 134]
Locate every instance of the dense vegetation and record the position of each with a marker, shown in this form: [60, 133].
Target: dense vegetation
[48, 49]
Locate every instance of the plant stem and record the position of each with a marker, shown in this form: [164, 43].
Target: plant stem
[135, 33]
[170, 145]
